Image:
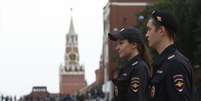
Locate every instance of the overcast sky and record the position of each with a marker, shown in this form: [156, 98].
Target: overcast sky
[32, 41]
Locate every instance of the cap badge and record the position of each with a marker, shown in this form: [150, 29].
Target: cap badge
[159, 18]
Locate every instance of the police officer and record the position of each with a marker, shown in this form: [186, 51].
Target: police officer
[172, 79]
[132, 80]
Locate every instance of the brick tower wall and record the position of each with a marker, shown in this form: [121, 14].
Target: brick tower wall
[70, 84]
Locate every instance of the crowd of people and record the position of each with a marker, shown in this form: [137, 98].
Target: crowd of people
[8, 98]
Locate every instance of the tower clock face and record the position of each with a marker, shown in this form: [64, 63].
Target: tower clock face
[72, 56]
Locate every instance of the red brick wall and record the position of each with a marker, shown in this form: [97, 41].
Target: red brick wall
[70, 84]
[99, 76]
[121, 16]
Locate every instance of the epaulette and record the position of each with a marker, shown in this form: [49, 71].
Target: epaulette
[171, 56]
[135, 63]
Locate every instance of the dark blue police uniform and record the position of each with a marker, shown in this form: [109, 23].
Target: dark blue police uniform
[172, 80]
[131, 83]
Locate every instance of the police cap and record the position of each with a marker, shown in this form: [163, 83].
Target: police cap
[131, 34]
[165, 19]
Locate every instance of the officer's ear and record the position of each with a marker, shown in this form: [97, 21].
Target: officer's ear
[134, 45]
[162, 30]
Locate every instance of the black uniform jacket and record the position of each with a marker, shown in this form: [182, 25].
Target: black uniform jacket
[172, 80]
[131, 83]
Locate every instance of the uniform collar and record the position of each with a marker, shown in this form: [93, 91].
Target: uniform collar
[128, 63]
[170, 49]
[127, 66]
[134, 59]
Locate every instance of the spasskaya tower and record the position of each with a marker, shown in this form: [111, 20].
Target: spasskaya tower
[71, 74]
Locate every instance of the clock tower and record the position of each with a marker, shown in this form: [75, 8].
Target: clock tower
[71, 73]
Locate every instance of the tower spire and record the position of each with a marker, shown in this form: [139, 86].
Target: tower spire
[71, 28]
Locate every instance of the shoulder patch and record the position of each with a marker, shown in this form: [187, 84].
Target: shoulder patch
[179, 82]
[135, 63]
[171, 56]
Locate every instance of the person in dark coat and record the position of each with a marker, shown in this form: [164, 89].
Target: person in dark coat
[172, 77]
[132, 80]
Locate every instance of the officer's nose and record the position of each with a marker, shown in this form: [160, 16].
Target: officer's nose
[117, 48]
[147, 35]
